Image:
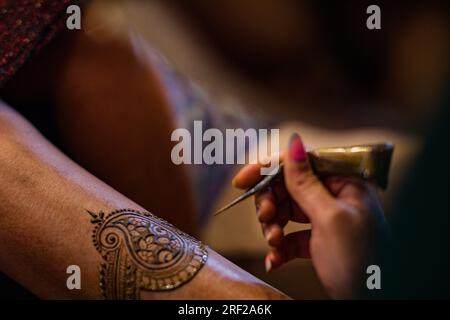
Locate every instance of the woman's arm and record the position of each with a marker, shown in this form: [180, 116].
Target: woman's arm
[49, 210]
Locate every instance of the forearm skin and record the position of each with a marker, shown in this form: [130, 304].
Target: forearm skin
[45, 225]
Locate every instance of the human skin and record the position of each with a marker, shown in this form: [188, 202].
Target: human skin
[110, 114]
[46, 227]
[347, 222]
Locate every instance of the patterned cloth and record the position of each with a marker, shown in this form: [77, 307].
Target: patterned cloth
[25, 27]
[189, 103]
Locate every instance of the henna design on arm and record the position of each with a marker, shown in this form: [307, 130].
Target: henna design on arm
[143, 252]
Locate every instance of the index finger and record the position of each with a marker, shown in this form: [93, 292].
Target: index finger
[250, 174]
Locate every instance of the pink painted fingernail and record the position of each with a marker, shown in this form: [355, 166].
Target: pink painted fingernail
[296, 148]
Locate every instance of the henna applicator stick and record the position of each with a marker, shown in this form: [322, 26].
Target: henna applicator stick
[369, 162]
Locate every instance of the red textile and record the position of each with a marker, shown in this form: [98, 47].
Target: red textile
[25, 27]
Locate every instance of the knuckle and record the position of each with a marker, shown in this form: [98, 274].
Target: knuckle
[338, 216]
[305, 180]
[347, 216]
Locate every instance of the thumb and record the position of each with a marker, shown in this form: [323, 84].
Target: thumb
[302, 184]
